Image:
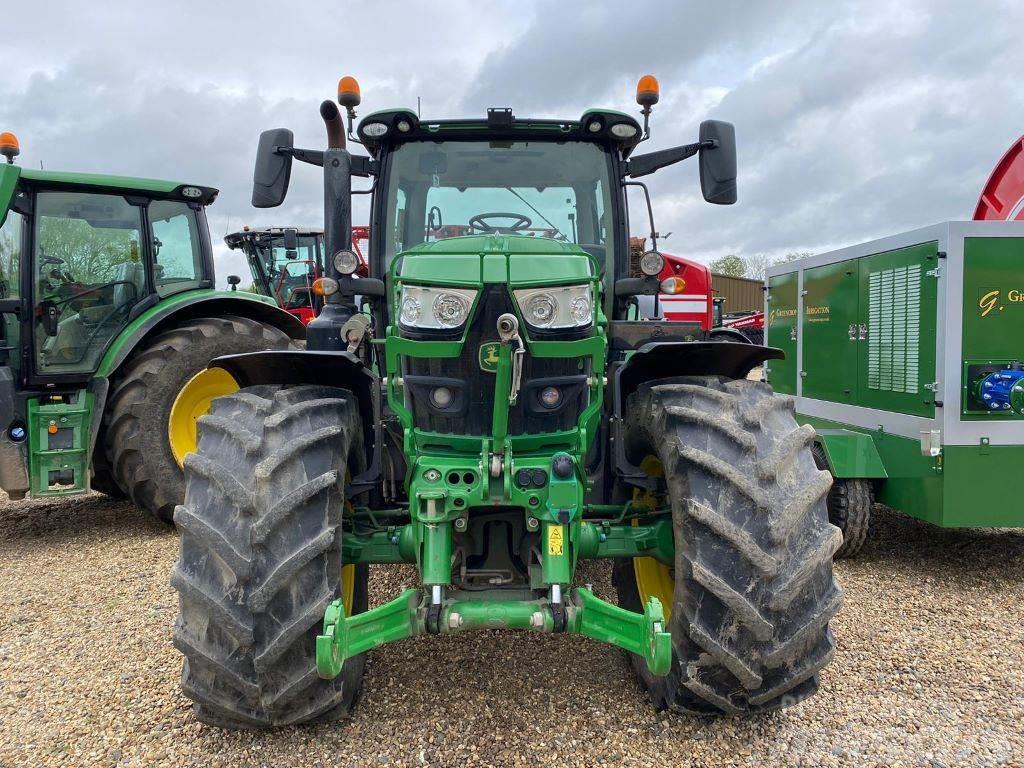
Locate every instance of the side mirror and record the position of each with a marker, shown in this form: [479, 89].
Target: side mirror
[273, 168]
[290, 240]
[718, 162]
[233, 281]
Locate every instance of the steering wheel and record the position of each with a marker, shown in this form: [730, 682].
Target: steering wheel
[519, 222]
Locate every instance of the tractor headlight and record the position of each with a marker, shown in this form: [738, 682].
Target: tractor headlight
[437, 308]
[346, 262]
[568, 306]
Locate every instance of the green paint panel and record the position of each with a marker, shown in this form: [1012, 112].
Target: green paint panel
[851, 454]
[993, 298]
[896, 330]
[993, 317]
[513, 259]
[984, 485]
[829, 328]
[781, 330]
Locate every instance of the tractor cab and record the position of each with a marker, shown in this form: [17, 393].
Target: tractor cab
[285, 263]
[83, 255]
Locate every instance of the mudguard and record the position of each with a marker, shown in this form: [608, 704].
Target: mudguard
[333, 369]
[851, 454]
[660, 360]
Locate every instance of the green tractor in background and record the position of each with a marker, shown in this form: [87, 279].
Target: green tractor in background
[491, 411]
[108, 309]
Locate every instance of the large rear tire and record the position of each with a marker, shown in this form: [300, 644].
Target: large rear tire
[752, 591]
[261, 556]
[138, 452]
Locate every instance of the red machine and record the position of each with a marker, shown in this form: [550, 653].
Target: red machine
[288, 276]
[1002, 198]
[693, 303]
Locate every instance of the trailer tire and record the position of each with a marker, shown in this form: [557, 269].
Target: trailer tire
[261, 558]
[752, 592]
[138, 452]
[851, 505]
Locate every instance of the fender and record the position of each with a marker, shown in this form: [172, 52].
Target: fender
[659, 360]
[198, 303]
[670, 359]
[851, 454]
[329, 368]
[173, 309]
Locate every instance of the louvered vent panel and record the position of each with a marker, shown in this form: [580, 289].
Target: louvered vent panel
[894, 311]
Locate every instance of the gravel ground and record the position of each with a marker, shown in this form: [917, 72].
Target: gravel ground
[930, 668]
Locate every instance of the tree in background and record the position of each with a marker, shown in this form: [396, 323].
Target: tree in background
[731, 265]
[753, 267]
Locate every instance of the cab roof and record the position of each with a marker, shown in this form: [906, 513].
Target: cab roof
[594, 125]
[235, 239]
[158, 188]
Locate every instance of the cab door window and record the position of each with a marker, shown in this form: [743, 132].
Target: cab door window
[10, 255]
[88, 273]
[177, 252]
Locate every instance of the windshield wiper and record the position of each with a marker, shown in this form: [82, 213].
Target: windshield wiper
[538, 213]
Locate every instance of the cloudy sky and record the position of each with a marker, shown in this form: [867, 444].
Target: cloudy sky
[854, 119]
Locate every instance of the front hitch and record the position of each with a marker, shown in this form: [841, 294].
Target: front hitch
[585, 614]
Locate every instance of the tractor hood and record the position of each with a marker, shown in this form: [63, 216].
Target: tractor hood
[517, 260]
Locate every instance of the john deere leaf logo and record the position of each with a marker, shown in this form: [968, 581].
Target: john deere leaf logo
[487, 355]
[988, 302]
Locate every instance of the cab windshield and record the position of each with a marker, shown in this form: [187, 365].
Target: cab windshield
[279, 276]
[557, 190]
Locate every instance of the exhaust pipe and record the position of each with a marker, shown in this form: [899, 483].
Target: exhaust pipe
[333, 123]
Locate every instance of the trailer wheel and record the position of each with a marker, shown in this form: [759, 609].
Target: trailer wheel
[751, 592]
[850, 508]
[138, 450]
[260, 556]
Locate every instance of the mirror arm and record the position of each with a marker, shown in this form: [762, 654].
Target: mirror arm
[311, 156]
[641, 165]
[363, 166]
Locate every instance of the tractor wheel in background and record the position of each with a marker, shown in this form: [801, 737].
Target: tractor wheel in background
[260, 556]
[850, 508]
[751, 593]
[734, 337]
[137, 418]
[754, 335]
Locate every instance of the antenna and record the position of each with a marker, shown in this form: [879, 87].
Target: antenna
[418, 107]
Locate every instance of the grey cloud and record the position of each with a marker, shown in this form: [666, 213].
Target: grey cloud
[855, 119]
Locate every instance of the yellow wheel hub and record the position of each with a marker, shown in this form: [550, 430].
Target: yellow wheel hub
[192, 402]
[653, 578]
[348, 587]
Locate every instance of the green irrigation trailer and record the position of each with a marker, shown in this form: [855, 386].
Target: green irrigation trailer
[906, 355]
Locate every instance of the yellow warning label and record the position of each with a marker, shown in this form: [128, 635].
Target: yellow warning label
[555, 545]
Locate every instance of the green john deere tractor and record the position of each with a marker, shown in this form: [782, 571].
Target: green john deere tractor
[490, 413]
[108, 309]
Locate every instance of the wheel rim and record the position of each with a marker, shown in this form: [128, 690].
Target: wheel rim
[192, 402]
[348, 587]
[653, 578]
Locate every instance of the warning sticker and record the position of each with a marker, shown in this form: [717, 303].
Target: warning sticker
[555, 541]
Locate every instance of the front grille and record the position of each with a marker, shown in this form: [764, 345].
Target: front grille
[472, 407]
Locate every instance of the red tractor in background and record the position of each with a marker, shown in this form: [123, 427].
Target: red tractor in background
[286, 262]
[687, 296]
